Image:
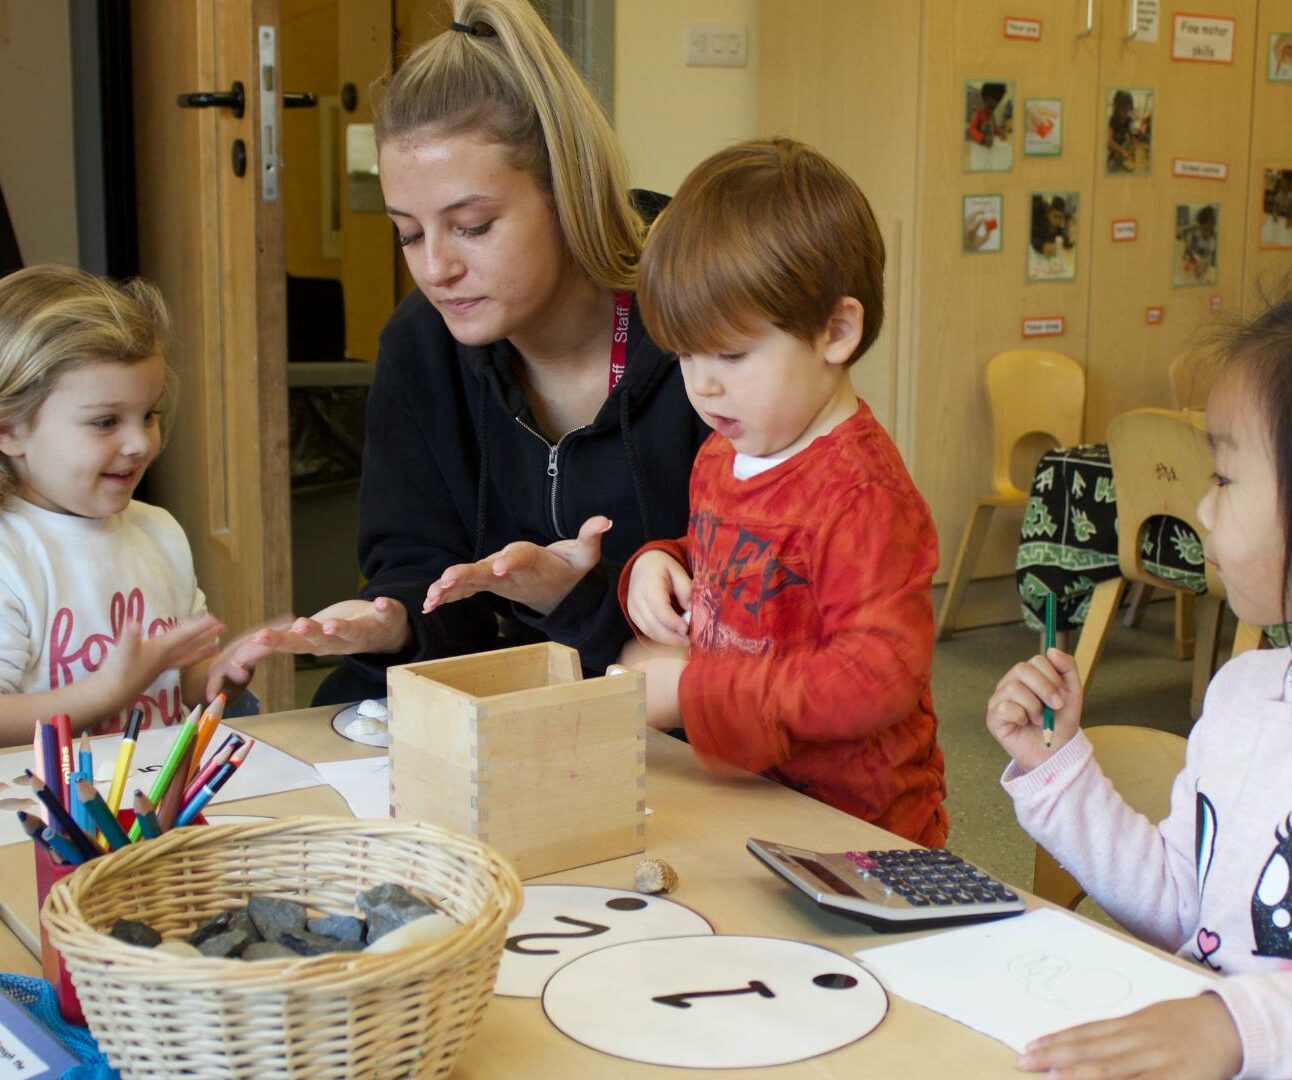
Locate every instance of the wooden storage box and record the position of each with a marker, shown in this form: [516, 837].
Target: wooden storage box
[517, 749]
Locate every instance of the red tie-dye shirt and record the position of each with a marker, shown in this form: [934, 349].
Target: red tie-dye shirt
[812, 626]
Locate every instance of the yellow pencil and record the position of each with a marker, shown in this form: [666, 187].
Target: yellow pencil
[124, 756]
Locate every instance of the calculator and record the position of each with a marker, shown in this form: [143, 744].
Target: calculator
[892, 891]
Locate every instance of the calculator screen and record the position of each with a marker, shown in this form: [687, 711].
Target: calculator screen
[825, 876]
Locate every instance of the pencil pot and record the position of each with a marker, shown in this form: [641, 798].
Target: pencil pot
[51, 960]
[517, 749]
[409, 1012]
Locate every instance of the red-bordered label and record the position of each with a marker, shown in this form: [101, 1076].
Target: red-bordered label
[1022, 29]
[1125, 229]
[1154, 315]
[1045, 326]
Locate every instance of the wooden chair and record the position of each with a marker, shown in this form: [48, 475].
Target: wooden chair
[1030, 392]
[1161, 465]
[1142, 765]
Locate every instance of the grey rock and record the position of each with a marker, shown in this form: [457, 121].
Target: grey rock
[135, 933]
[274, 918]
[268, 950]
[236, 919]
[307, 944]
[388, 907]
[341, 927]
[229, 943]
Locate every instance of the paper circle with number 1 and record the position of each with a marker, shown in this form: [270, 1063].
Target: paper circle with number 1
[561, 922]
[723, 1002]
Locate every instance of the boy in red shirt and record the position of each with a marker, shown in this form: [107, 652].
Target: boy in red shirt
[802, 585]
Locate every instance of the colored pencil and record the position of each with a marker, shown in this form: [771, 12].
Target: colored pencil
[182, 744]
[49, 752]
[61, 818]
[62, 846]
[213, 762]
[146, 816]
[63, 733]
[205, 729]
[84, 768]
[107, 822]
[124, 756]
[31, 824]
[172, 800]
[204, 795]
[38, 760]
[1047, 713]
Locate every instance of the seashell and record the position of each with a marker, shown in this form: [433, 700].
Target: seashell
[371, 707]
[652, 875]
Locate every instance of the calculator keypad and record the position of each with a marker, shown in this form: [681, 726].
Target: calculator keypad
[928, 878]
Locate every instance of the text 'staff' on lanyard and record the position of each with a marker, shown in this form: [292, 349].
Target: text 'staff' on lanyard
[619, 337]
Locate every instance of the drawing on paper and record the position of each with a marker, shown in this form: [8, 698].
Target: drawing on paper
[1052, 979]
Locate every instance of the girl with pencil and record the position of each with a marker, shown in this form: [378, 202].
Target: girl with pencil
[1213, 881]
[99, 605]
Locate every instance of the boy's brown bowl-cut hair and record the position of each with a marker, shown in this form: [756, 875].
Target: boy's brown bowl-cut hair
[765, 230]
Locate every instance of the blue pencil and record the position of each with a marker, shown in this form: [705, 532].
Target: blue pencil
[204, 795]
[66, 850]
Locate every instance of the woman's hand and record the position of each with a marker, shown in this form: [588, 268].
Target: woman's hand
[1185, 1039]
[1014, 712]
[658, 587]
[538, 577]
[351, 626]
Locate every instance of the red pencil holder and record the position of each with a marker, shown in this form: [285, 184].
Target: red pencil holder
[51, 961]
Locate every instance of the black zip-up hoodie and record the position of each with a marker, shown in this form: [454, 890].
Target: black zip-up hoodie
[454, 468]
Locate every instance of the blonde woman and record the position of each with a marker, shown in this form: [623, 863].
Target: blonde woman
[524, 435]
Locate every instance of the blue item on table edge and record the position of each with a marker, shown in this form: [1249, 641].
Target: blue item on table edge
[39, 999]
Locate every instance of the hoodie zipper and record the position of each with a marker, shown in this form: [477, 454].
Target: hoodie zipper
[553, 470]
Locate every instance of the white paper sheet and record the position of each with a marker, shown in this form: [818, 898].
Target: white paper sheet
[364, 784]
[1018, 979]
[267, 770]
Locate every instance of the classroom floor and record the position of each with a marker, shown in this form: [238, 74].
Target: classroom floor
[1139, 682]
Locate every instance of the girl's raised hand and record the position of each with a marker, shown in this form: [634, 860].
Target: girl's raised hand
[135, 661]
[659, 585]
[1015, 710]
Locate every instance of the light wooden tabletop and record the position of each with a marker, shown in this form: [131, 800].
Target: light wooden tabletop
[699, 825]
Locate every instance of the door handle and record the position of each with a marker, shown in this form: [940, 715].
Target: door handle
[1132, 20]
[233, 98]
[299, 101]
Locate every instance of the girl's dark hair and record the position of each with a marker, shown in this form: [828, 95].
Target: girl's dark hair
[1260, 351]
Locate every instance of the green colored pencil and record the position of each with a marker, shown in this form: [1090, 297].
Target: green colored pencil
[103, 818]
[187, 732]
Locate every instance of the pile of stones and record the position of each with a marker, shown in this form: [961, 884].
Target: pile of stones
[268, 928]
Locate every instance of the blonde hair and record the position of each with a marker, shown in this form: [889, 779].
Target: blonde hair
[510, 81]
[54, 319]
[767, 229]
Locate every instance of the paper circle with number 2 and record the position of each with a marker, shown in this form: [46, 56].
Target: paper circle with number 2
[724, 1002]
[562, 922]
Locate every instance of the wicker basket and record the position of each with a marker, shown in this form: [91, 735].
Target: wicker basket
[406, 1013]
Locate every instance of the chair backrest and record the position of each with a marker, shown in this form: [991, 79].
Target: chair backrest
[1161, 465]
[1032, 392]
[1191, 375]
[1142, 764]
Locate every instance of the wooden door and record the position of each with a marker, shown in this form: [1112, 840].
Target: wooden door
[973, 302]
[1201, 114]
[213, 242]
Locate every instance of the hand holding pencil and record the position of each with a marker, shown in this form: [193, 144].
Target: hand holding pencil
[1016, 711]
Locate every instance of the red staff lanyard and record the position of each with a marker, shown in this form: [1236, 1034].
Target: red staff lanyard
[619, 338]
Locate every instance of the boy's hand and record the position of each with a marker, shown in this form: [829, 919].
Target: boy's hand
[525, 573]
[350, 626]
[231, 670]
[659, 585]
[1185, 1039]
[134, 662]
[1015, 710]
[663, 674]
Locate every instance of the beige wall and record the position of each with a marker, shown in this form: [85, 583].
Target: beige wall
[36, 165]
[669, 116]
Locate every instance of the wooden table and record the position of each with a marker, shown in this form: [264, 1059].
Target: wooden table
[699, 825]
